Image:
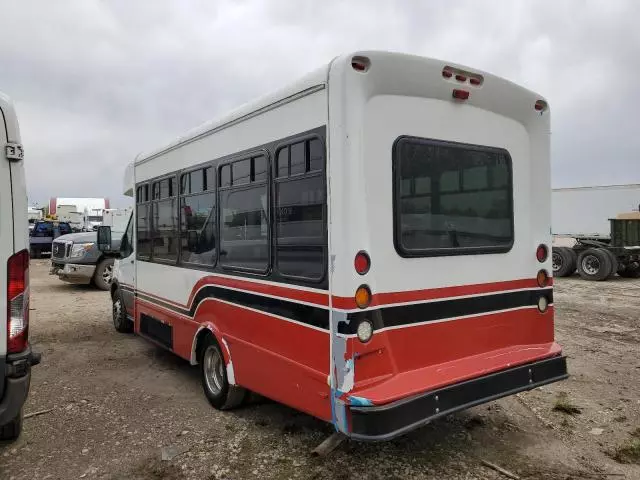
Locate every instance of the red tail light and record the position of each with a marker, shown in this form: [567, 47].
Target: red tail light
[542, 252]
[18, 302]
[362, 262]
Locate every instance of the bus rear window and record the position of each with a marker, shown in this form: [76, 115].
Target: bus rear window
[451, 198]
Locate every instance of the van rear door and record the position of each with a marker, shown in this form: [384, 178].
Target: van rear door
[6, 241]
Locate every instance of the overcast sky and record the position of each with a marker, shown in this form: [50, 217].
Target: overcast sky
[96, 82]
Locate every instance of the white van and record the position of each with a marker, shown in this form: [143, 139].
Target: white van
[16, 356]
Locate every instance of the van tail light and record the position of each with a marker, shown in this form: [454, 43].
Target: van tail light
[460, 94]
[18, 302]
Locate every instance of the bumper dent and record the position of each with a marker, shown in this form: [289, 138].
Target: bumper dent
[387, 421]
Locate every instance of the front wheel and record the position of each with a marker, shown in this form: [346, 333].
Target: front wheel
[11, 430]
[103, 275]
[213, 372]
[119, 312]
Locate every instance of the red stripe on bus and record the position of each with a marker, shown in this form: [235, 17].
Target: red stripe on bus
[390, 298]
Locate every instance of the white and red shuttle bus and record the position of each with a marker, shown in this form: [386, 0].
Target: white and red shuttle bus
[369, 245]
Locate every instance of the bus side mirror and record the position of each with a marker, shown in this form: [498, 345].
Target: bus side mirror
[104, 239]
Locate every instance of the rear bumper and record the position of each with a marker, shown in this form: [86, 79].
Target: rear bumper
[387, 421]
[73, 272]
[17, 378]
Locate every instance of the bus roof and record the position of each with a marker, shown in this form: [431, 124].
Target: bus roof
[317, 80]
[313, 80]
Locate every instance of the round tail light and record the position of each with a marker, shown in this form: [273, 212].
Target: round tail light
[362, 262]
[542, 252]
[542, 278]
[364, 331]
[363, 296]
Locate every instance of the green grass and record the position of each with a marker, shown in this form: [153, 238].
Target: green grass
[630, 451]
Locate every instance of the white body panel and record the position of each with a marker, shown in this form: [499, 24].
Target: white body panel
[13, 207]
[368, 113]
[585, 211]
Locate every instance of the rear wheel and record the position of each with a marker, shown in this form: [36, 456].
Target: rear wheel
[120, 321]
[594, 264]
[12, 430]
[563, 261]
[614, 262]
[103, 274]
[215, 383]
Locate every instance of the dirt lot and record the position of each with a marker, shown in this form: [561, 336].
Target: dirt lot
[117, 401]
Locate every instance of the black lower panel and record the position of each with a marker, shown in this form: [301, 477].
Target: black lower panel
[156, 330]
[387, 421]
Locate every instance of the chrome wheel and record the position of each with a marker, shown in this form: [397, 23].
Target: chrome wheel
[556, 261]
[107, 274]
[213, 365]
[590, 264]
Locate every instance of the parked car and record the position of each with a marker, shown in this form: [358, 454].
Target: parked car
[42, 235]
[75, 258]
[16, 355]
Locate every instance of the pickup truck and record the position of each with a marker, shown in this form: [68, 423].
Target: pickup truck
[42, 235]
[75, 258]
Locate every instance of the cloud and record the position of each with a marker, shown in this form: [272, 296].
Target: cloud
[96, 82]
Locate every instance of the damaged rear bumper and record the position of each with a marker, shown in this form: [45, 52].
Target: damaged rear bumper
[384, 422]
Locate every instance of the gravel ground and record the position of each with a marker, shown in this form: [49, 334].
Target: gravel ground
[118, 401]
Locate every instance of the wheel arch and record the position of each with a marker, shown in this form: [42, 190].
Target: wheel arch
[204, 330]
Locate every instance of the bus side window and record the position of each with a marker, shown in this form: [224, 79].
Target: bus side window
[198, 219]
[243, 214]
[300, 209]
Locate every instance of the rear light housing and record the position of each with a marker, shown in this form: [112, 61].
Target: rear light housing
[18, 302]
[542, 278]
[542, 252]
[362, 262]
[460, 94]
[363, 296]
[360, 64]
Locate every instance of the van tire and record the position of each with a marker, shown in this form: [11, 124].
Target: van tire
[630, 271]
[220, 394]
[564, 261]
[594, 264]
[103, 274]
[119, 313]
[11, 431]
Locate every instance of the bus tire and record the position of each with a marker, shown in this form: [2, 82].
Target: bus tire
[594, 264]
[213, 374]
[564, 261]
[12, 430]
[103, 274]
[119, 313]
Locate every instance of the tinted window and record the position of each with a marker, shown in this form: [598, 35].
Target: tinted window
[298, 162]
[197, 181]
[65, 229]
[316, 155]
[241, 172]
[259, 169]
[282, 162]
[165, 227]
[244, 228]
[299, 214]
[209, 181]
[44, 229]
[300, 206]
[225, 176]
[143, 225]
[451, 199]
[198, 229]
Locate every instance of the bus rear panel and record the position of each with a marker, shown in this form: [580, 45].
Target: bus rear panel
[440, 177]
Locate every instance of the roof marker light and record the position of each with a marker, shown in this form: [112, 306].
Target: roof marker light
[360, 64]
[460, 94]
